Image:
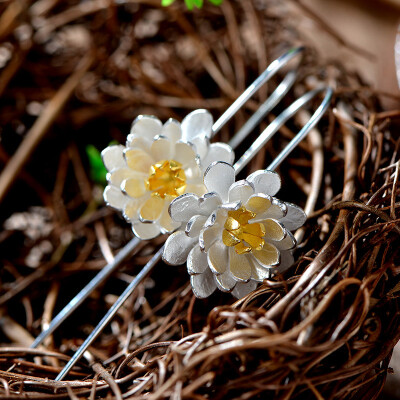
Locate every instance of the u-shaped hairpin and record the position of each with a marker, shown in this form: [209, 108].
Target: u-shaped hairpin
[232, 234]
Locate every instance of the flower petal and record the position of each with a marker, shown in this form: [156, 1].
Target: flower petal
[287, 261]
[197, 123]
[218, 152]
[218, 258]
[117, 176]
[151, 209]
[265, 181]
[274, 230]
[259, 203]
[218, 178]
[138, 160]
[225, 281]
[114, 197]
[131, 209]
[161, 149]
[277, 210]
[195, 225]
[288, 243]
[145, 231]
[209, 202]
[172, 130]
[294, 218]
[197, 189]
[138, 142]
[167, 224]
[201, 145]
[268, 255]
[203, 285]
[134, 187]
[177, 248]
[259, 273]
[113, 158]
[208, 236]
[240, 191]
[243, 289]
[184, 153]
[146, 126]
[184, 207]
[239, 265]
[197, 261]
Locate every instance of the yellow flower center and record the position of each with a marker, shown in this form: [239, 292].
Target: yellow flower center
[166, 178]
[239, 233]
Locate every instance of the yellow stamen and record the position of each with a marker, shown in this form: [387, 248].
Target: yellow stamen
[238, 232]
[166, 178]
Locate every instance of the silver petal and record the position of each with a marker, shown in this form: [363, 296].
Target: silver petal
[184, 207]
[197, 123]
[288, 243]
[265, 181]
[209, 202]
[239, 266]
[147, 126]
[225, 281]
[114, 197]
[197, 261]
[218, 152]
[145, 231]
[294, 218]
[218, 258]
[287, 261]
[203, 285]
[218, 178]
[113, 157]
[240, 191]
[243, 289]
[208, 236]
[172, 130]
[177, 248]
[195, 225]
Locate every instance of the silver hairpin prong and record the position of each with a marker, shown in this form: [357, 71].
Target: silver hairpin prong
[274, 98]
[265, 135]
[279, 121]
[289, 79]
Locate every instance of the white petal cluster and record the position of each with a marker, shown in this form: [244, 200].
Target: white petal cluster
[235, 235]
[158, 163]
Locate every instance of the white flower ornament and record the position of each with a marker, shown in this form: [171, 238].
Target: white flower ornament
[159, 163]
[235, 235]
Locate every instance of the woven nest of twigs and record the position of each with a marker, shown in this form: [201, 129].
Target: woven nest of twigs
[77, 73]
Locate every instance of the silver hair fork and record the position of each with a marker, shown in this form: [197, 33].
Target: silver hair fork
[294, 55]
[271, 129]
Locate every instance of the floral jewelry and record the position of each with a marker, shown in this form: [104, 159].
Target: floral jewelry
[159, 163]
[235, 235]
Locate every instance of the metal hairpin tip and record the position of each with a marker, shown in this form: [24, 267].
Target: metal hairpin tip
[295, 55]
[293, 218]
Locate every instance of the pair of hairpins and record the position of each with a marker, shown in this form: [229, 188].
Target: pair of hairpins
[170, 179]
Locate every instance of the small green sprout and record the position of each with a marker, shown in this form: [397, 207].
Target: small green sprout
[98, 171]
[190, 4]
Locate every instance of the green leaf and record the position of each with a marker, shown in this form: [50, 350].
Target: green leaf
[198, 3]
[98, 171]
[189, 4]
[216, 2]
[166, 3]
